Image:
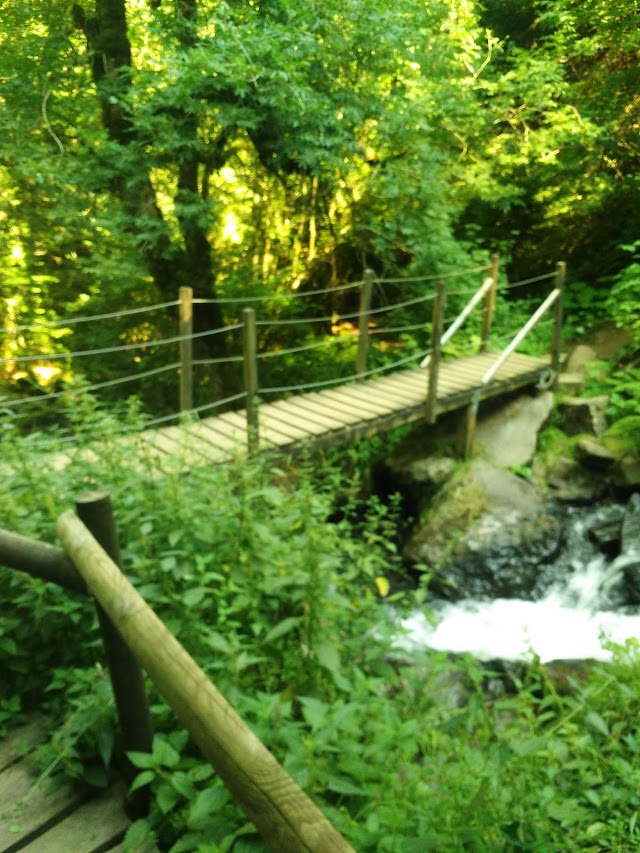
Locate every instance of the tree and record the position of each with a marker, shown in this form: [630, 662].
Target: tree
[219, 144]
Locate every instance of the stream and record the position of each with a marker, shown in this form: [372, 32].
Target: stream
[582, 602]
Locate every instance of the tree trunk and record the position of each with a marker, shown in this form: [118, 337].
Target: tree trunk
[170, 264]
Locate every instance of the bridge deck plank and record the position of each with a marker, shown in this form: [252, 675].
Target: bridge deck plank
[38, 816]
[350, 411]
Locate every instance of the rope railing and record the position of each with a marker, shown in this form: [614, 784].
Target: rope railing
[196, 410]
[326, 342]
[229, 359]
[72, 321]
[367, 321]
[295, 321]
[436, 276]
[342, 380]
[273, 297]
[96, 386]
[55, 356]
[396, 330]
[512, 285]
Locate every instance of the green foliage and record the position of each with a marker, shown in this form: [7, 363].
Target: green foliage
[620, 382]
[625, 296]
[274, 593]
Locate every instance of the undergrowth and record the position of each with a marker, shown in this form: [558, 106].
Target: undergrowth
[269, 574]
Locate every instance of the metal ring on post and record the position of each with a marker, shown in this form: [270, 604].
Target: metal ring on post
[546, 380]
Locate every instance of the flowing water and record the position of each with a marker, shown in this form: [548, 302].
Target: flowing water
[579, 609]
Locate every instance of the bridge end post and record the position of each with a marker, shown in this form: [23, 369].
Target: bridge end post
[95, 511]
[250, 365]
[556, 340]
[436, 346]
[363, 323]
[489, 304]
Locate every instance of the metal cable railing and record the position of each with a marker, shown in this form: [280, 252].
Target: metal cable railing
[55, 356]
[273, 297]
[368, 326]
[72, 321]
[97, 386]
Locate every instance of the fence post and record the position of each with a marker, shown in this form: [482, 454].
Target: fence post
[94, 510]
[436, 336]
[250, 365]
[363, 323]
[489, 304]
[186, 348]
[556, 340]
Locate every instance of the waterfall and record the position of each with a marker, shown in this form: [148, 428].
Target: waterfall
[575, 617]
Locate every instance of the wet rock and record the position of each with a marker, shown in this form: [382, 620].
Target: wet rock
[631, 580]
[486, 536]
[433, 471]
[419, 466]
[593, 455]
[627, 565]
[630, 535]
[508, 436]
[579, 358]
[605, 530]
[571, 482]
[571, 382]
[584, 415]
[628, 473]
[568, 675]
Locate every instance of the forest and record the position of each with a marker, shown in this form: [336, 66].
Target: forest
[255, 152]
[270, 148]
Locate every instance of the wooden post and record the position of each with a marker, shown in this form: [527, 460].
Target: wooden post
[285, 817]
[489, 304]
[94, 508]
[556, 340]
[363, 323]
[436, 345]
[467, 428]
[186, 349]
[39, 560]
[250, 364]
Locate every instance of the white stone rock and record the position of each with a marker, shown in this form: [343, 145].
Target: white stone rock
[508, 436]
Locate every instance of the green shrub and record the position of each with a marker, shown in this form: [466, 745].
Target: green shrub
[274, 594]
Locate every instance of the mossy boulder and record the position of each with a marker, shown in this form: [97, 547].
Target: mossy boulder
[486, 535]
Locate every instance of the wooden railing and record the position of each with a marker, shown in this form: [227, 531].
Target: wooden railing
[134, 636]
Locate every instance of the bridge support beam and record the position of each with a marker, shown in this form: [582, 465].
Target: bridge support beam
[467, 428]
[186, 350]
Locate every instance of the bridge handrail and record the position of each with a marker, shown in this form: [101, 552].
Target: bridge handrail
[522, 334]
[462, 316]
[281, 811]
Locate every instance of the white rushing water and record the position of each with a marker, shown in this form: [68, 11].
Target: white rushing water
[569, 622]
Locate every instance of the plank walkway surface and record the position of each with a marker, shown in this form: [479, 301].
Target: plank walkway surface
[37, 819]
[346, 412]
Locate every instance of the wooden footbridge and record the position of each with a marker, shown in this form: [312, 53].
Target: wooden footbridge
[39, 818]
[349, 412]
[372, 400]
[370, 403]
